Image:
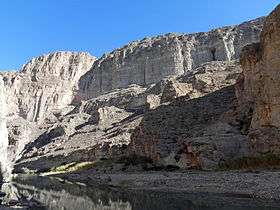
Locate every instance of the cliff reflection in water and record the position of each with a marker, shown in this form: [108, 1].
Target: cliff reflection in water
[54, 194]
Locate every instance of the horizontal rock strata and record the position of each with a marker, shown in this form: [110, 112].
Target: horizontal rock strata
[148, 61]
[169, 98]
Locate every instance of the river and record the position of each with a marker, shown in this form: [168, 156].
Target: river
[34, 192]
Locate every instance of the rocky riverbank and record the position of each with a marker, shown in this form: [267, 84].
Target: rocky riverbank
[256, 185]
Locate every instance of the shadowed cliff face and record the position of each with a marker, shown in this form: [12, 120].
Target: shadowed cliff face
[199, 133]
[260, 86]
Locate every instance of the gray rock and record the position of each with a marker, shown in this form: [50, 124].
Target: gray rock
[68, 107]
[191, 133]
[45, 83]
[148, 61]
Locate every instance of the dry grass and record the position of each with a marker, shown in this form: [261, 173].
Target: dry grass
[70, 167]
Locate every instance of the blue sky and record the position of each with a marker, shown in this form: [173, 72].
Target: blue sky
[33, 27]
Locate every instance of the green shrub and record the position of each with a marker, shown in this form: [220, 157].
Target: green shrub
[72, 167]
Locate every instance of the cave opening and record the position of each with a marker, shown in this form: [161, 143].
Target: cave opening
[213, 53]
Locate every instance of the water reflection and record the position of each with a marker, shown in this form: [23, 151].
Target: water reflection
[54, 194]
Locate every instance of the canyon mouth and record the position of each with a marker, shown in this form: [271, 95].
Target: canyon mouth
[199, 111]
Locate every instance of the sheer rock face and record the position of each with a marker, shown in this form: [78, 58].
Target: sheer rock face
[259, 86]
[45, 83]
[151, 59]
[102, 127]
[51, 124]
[3, 130]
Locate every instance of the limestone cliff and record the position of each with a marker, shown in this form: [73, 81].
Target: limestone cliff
[3, 131]
[45, 83]
[69, 107]
[259, 86]
[42, 86]
[104, 127]
[148, 61]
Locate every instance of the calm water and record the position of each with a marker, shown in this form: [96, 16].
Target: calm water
[53, 194]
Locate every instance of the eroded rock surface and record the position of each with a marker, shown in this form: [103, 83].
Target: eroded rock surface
[102, 127]
[259, 86]
[45, 83]
[194, 133]
[148, 61]
[69, 107]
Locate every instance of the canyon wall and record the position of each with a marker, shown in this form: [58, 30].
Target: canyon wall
[4, 142]
[259, 86]
[69, 107]
[51, 82]
[148, 61]
[153, 122]
[45, 84]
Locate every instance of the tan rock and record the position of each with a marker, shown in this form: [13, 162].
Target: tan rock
[259, 86]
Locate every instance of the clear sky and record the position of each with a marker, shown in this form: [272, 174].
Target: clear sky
[33, 27]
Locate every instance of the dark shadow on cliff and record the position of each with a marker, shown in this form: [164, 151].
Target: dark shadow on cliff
[182, 118]
[200, 127]
[188, 116]
[43, 139]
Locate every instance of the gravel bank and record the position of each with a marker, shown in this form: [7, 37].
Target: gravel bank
[261, 185]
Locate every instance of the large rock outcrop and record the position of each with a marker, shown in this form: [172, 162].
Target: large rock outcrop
[259, 86]
[45, 83]
[3, 130]
[102, 127]
[198, 133]
[148, 61]
[68, 107]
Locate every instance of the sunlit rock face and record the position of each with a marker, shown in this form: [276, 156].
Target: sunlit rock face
[151, 59]
[259, 86]
[69, 107]
[45, 83]
[4, 142]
